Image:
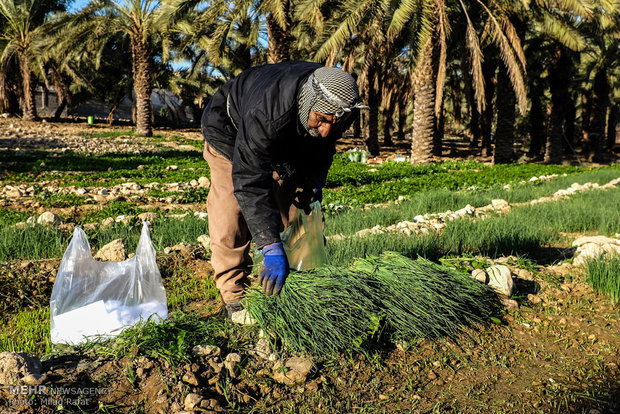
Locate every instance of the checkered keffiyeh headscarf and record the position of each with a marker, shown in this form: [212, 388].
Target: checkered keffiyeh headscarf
[330, 91]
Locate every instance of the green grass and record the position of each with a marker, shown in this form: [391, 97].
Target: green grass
[12, 216]
[41, 242]
[435, 201]
[514, 233]
[28, 331]
[171, 339]
[73, 169]
[603, 274]
[333, 309]
[381, 190]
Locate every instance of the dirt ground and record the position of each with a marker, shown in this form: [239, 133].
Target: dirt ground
[558, 353]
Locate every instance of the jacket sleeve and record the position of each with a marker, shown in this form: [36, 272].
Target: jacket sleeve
[252, 175]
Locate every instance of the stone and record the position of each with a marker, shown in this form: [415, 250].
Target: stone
[205, 241]
[601, 240]
[182, 248]
[510, 305]
[201, 215]
[147, 216]
[112, 252]
[206, 351]
[190, 378]
[192, 401]
[242, 317]
[204, 182]
[500, 279]
[49, 219]
[232, 364]
[263, 348]
[108, 222]
[193, 183]
[34, 379]
[534, 299]
[592, 251]
[500, 205]
[480, 275]
[172, 168]
[295, 371]
[15, 366]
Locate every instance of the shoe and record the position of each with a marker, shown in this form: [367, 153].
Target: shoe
[236, 313]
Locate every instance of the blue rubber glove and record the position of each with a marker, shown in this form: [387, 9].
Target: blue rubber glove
[275, 269]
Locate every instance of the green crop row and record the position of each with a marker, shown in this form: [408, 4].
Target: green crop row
[436, 201]
[381, 190]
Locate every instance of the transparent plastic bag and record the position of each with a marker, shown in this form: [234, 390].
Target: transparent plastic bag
[303, 240]
[100, 299]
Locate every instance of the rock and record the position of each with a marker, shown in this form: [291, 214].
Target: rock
[297, 370]
[190, 378]
[500, 205]
[263, 348]
[232, 364]
[108, 222]
[205, 241]
[34, 379]
[172, 168]
[242, 317]
[510, 305]
[480, 275]
[596, 240]
[112, 252]
[148, 216]
[205, 350]
[182, 248]
[192, 401]
[534, 299]
[500, 279]
[49, 219]
[204, 182]
[201, 215]
[193, 183]
[15, 366]
[593, 251]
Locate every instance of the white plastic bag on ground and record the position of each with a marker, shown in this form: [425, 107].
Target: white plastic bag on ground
[92, 298]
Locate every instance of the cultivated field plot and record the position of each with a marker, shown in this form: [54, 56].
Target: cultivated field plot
[406, 318]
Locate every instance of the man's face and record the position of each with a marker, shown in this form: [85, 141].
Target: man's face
[321, 124]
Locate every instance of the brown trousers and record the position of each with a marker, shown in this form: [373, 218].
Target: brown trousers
[230, 237]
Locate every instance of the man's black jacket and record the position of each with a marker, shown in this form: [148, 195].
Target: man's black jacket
[252, 120]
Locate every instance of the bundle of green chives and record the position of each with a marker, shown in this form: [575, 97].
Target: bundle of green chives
[330, 309]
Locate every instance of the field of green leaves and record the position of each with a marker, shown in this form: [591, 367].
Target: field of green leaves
[408, 366]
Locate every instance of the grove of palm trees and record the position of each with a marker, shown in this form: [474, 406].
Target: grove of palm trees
[470, 218]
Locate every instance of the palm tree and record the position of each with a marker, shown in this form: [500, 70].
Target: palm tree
[141, 22]
[21, 26]
[600, 69]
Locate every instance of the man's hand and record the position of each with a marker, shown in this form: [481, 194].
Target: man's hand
[275, 269]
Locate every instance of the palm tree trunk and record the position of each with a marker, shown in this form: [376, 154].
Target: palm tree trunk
[279, 38]
[598, 116]
[559, 79]
[470, 100]
[504, 132]
[439, 131]
[486, 120]
[388, 123]
[371, 126]
[143, 85]
[537, 123]
[402, 116]
[28, 85]
[569, 126]
[611, 127]
[423, 107]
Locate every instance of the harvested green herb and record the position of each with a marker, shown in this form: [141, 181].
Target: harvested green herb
[332, 309]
